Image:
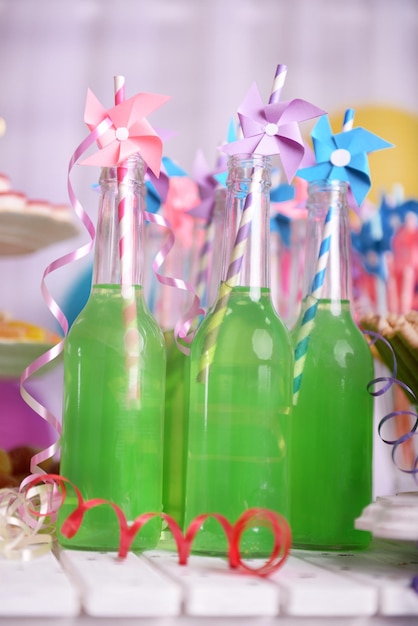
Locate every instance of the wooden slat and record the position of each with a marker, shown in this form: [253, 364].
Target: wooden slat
[211, 588]
[110, 587]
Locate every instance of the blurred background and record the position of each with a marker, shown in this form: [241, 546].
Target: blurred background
[204, 54]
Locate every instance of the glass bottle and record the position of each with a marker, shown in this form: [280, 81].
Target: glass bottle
[239, 403]
[177, 379]
[331, 432]
[114, 381]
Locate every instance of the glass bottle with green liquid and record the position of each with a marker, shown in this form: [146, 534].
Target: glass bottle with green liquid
[241, 369]
[331, 426]
[114, 381]
[178, 372]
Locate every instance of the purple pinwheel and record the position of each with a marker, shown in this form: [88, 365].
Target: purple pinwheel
[343, 156]
[273, 129]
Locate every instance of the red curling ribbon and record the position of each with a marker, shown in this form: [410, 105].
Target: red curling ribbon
[233, 532]
[387, 382]
[181, 330]
[281, 534]
[54, 503]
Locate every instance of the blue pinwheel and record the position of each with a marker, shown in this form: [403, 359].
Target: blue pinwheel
[343, 156]
[372, 242]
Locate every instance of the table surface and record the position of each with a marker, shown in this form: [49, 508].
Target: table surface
[82, 588]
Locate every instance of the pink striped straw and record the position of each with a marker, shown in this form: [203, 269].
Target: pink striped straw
[126, 255]
[241, 239]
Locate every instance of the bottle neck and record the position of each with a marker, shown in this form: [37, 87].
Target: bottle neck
[327, 262]
[119, 242]
[247, 222]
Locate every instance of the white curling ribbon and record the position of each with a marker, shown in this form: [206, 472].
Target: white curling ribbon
[18, 541]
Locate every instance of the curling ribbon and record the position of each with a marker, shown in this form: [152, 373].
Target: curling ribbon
[25, 533]
[387, 382]
[233, 532]
[52, 305]
[181, 330]
[395, 443]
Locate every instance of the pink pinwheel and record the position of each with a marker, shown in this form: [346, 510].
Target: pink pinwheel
[130, 132]
[273, 129]
[207, 184]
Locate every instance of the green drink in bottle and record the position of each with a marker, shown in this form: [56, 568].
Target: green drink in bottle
[331, 426]
[114, 384]
[241, 369]
[175, 432]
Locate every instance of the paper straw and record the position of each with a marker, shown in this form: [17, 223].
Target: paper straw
[205, 255]
[241, 239]
[278, 82]
[126, 255]
[311, 303]
[308, 319]
[348, 120]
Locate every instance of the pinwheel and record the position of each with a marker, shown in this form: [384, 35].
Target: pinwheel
[273, 129]
[289, 202]
[207, 183]
[129, 132]
[343, 156]
[157, 187]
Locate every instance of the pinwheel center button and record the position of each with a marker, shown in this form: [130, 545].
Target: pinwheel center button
[340, 157]
[122, 133]
[271, 129]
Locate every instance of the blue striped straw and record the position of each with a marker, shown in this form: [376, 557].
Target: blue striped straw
[311, 303]
[348, 120]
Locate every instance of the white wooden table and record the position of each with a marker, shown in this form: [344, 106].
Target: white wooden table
[82, 588]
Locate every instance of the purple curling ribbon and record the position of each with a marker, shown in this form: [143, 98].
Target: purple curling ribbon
[388, 382]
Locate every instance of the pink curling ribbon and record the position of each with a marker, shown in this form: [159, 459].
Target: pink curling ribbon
[119, 132]
[233, 532]
[181, 330]
[56, 350]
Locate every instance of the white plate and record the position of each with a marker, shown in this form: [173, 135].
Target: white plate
[24, 232]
